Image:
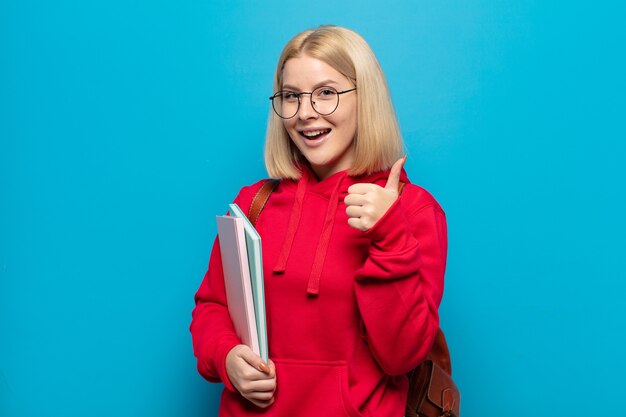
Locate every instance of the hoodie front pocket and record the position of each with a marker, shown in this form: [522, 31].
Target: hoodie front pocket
[313, 388]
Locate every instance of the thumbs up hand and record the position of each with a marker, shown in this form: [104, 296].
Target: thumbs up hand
[367, 203]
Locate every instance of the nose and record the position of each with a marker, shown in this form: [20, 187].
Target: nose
[306, 110]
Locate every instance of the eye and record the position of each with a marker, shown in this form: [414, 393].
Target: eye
[289, 96]
[326, 93]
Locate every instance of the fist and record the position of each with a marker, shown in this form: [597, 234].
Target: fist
[367, 203]
[254, 379]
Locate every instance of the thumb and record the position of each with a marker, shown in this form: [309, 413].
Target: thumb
[254, 360]
[394, 174]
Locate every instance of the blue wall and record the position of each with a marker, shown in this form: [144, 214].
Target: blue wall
[125, 127]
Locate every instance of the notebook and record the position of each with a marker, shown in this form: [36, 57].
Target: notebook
[237, 279]
[255, 264]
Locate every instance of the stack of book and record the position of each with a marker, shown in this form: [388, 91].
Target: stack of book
[242, 262]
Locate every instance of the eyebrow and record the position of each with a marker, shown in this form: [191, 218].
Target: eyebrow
[320, 84]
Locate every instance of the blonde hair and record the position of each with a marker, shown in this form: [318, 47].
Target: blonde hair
[378, 142]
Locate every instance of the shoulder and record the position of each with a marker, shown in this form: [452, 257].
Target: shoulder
[416, 198]
[247, 193]
[413, 197]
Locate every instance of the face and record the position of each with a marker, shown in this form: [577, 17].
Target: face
[325, 141]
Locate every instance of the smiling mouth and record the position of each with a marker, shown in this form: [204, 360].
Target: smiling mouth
[315, 134]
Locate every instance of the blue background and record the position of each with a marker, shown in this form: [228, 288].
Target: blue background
[126, 126]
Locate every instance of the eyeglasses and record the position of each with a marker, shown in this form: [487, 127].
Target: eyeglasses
[324, 101]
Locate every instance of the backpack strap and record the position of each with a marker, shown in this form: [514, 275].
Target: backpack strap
[260, 198]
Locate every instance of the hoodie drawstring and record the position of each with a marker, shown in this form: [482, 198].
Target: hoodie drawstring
[313, 287]
[292, 227]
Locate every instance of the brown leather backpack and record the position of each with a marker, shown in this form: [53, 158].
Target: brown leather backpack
[432, 392]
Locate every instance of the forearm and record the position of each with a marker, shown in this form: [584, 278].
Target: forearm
[399, 287]
[211, 327]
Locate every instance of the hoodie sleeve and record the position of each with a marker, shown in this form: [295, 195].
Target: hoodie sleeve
[212, 330]
[400, 285]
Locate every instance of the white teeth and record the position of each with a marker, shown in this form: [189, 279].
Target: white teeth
[312, 133]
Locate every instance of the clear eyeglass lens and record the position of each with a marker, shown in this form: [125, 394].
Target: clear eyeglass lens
[287, 105]
[323, 99]
[289, 96]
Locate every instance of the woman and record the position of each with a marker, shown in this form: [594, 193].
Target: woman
[353, 270]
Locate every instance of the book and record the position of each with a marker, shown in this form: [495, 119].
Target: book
[237, 279]
[255, 264]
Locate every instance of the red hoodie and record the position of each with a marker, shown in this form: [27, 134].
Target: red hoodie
[348, 312]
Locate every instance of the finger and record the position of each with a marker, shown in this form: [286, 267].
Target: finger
[262, 404]
[394, 174]
[360, 188]
[356, 223]
[253, 359]
[260, 396]
[354, 211]
[262, 385]
[351, 200]
[355, 200]
[264, 368]
[272, 373]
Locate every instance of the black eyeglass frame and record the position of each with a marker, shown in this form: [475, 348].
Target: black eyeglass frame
[299, 95]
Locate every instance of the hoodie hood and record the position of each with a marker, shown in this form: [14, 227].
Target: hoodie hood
[334, 189]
